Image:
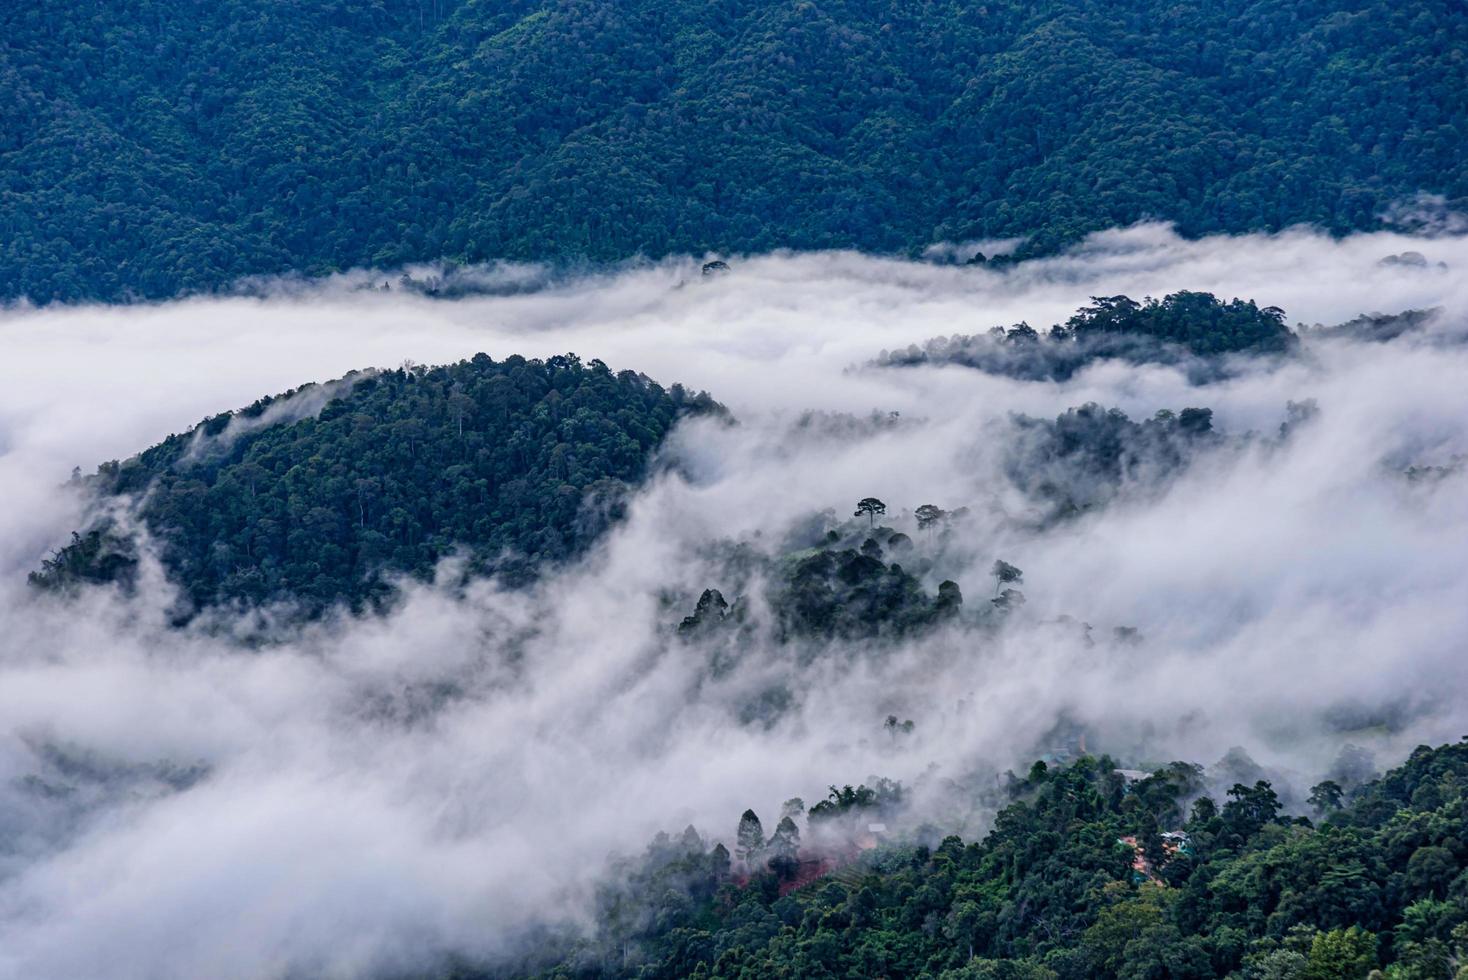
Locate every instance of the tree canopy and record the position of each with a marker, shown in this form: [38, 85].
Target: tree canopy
[149, 148]
[1199, 322]
[1086, 873]
[321, 495]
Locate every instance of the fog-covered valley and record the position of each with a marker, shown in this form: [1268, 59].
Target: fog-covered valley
[362, 793]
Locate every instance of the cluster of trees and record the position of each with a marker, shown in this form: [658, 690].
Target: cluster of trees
[1376, 885]
[512, 462]
[857, 586]
[1199, 322]
[1086, 456]
[847, 586]
[851, 594]
[830, 593]
[149, 147]
[1191, 330]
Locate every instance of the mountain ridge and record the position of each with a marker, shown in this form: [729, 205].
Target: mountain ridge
[150, 151]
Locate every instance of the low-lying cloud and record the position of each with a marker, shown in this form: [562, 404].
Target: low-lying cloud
[363, 796]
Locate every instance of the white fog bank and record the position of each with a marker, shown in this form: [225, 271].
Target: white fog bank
[174, 804]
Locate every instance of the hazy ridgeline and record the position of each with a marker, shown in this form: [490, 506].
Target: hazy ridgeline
[370, 794]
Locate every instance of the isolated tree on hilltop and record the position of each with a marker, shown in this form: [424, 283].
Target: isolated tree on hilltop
[927, 515]
[1004, 573]
[871, 507]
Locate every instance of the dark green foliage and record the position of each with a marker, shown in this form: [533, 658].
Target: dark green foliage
[950, 598]
[784, 847]
[847, 587]
[928, 515]
[516, 462]
[881, 797]
[1325, 797]
[712, 609]
[1085, 457]
[95, 558]
[149, 147]
[663, 895]
[1051, 891]
[1199, 322]
[849, 594]
[871, 508]
[1186, 329]
[836, 590]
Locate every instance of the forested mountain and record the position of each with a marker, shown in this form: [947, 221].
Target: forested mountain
[149, 147]
[1087, 873]
[398, 676]
[315, 497]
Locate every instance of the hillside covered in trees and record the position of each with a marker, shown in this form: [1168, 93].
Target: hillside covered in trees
[1088, 872]
[318, 496]
[151, 148]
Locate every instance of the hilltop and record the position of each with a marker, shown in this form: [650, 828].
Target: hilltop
[322, 495]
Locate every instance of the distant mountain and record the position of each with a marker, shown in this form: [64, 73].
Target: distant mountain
[319, 496]
[149, 148]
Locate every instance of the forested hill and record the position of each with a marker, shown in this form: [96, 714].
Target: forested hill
[1087, 874]
[318, 496]
[149, 147]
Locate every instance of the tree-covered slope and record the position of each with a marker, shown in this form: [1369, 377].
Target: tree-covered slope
[1087, 874]
[316, 496]
[149, 147]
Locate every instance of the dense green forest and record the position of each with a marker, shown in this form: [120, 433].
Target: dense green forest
[149, 147]
[1199, 322]
[317, 496]
[1087, 873]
